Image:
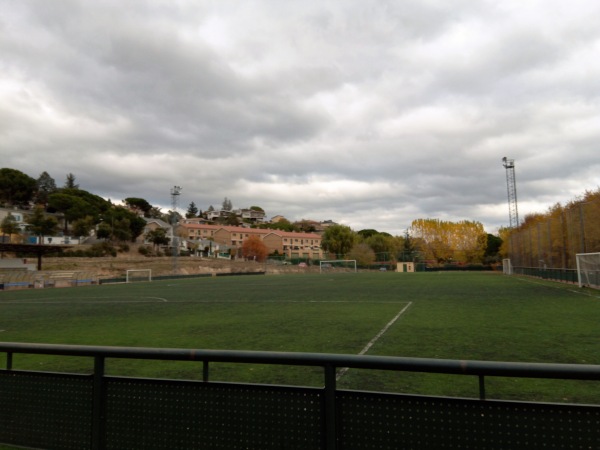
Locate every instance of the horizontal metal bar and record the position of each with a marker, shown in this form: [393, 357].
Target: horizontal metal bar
[444, 366]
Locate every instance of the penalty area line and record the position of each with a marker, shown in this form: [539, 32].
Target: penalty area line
[86, 301]
[367, 347]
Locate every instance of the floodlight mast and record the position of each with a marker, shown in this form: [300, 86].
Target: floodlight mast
[511, 186]
[175, 192]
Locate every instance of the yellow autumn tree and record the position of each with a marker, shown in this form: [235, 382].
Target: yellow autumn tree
[445, 241]
[553, 238]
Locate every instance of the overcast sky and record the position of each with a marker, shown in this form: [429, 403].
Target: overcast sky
[367, 113]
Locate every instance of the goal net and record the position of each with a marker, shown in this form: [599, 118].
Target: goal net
[138, 275]
[338, 265]
[588, 269]
[506, 267]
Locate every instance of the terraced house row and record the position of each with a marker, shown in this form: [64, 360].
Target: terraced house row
[293, 245]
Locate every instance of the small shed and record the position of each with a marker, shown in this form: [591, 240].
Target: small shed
[405, 267]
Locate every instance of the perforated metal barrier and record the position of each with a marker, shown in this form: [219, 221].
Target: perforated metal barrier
[387, 421]
[66, 411]
[45, 410]
[157, 414]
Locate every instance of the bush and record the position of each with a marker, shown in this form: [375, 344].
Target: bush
[102, 249]
[97, 250]
[144, 250]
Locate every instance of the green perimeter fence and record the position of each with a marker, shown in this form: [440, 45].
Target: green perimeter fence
[552, 274]
[592, 278]
[96, 411]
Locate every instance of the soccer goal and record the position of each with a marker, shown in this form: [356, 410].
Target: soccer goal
[588, 269]
[507, 267]
[138, 275]
[339, 265]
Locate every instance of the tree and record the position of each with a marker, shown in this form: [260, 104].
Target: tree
[126, 224]
[77, 204]
[383, 245]
[363, 254]
[172, 217]
[446, 241]
[158, 237]
[9, 226]
[254, 248]
[122, 230]
[365, 234]
[70, 182]
[409, 248]
[227, 205]
[45, 186]
[470, 241]
[434, 234]
[256, 208]
[230, 220]
[40, 224]
[16, 188]
[192, 211]
[492, 248]
[83, 226]
[72, 207]
[104, 231]
[156, 213]
[138, 205]
[338, 239]
[283, 225]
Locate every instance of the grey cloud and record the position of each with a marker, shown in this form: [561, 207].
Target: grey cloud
[373, 114]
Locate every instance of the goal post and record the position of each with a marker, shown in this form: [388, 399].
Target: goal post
[336, 264]
[507, 267]
[138, 275]
[588, 269]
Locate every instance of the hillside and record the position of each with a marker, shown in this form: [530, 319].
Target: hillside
[115, 267]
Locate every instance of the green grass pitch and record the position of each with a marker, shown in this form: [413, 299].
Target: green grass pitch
[475, 316]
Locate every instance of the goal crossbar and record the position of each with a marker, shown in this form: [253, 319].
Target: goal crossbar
[507, 267]
[132, 275]
[588, 269]
[333, 263]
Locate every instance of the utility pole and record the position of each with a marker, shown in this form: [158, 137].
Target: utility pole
[175, 192]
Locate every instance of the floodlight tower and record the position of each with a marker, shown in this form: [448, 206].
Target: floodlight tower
[175, 192]
[511, 185]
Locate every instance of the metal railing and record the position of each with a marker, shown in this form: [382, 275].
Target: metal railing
[337, 416]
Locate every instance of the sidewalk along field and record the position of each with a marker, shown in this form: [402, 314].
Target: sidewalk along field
[474, 316]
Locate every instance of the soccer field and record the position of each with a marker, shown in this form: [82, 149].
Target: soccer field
[475, 316]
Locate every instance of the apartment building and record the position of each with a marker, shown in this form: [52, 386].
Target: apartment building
[292, 245]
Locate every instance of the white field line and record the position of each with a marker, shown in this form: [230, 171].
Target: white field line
[587, 294]
[88, 300]
[343, 370]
